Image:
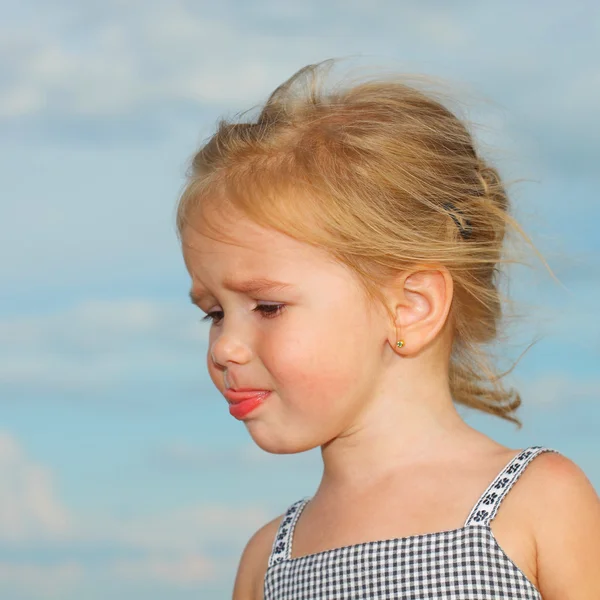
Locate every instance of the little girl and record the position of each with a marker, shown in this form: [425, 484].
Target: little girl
[345, 247]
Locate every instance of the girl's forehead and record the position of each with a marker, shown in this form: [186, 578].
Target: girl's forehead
[250, 251]
[241, 238]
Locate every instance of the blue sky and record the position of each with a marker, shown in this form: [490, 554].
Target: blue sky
[122, 475]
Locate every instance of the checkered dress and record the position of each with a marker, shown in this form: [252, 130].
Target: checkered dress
[460, 564]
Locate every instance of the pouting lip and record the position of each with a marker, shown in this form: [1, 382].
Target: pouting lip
[240, 394]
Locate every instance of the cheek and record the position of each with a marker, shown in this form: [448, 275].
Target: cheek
[319, 365]
[322, 373]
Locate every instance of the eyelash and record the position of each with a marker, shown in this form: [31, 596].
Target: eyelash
[263, 308]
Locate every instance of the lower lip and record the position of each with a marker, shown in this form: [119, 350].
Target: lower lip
[241, 409]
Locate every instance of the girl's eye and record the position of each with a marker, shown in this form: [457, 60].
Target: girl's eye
[268, 312]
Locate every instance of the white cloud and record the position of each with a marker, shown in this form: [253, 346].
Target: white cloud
[93, 323]
[45, 581]
[558, 388]
[187, 571]
[128, 56]
[29, 508]
[178, 532]
[172, 547]
[99, 343]
[131, 58]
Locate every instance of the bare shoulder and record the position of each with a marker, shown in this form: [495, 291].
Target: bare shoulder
[560, 482]
[564, 509]
[254, 561]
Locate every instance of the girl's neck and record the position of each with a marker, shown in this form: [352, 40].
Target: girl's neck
[392, 436]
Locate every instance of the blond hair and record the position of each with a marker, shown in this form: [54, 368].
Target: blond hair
[383, 177]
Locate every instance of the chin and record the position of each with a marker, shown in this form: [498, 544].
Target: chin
[278, 445]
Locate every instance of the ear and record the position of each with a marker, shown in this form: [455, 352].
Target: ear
[420, 299]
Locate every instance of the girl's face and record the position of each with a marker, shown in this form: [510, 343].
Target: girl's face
[320, 352]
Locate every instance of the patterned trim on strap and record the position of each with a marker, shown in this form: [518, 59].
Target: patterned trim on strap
[486, 507]
[282, 544]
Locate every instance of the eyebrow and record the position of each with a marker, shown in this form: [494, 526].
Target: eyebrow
[251, 286]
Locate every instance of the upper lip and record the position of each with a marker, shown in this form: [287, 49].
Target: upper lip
[239, 394]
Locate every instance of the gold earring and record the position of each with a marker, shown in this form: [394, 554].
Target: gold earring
[400, 343]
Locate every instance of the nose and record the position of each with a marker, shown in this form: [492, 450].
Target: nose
[229, 348]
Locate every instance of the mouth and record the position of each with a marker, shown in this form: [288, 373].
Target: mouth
[242, 403]
[235, 396]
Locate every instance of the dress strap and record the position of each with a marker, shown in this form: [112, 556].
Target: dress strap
[282, 545]
[486, 507]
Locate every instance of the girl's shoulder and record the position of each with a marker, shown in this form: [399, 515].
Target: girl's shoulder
[563, 509]
[554, 481]
[254, 561]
